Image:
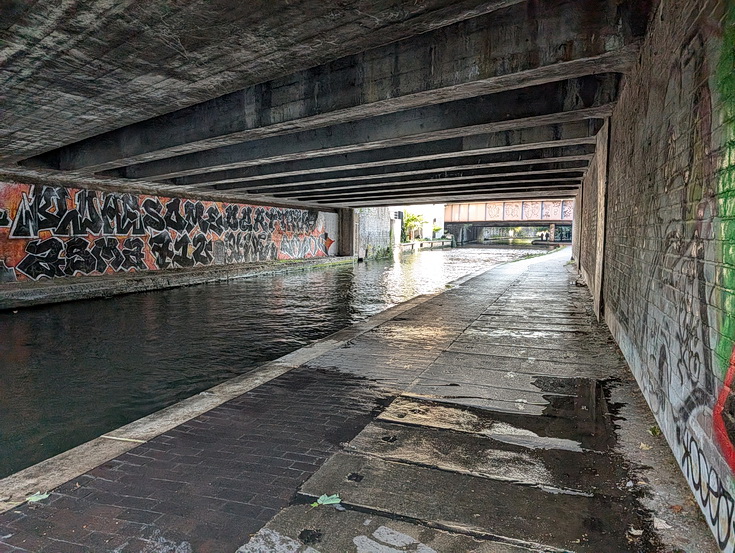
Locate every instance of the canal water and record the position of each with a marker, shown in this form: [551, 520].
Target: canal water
[71, 372]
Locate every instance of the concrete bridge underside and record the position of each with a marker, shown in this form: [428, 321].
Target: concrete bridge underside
[361, 104]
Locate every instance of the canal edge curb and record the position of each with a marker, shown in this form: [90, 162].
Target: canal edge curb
[104, 286]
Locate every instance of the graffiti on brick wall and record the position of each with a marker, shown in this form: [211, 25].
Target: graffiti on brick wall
[724, 411]
[52, 231]
[682, 238]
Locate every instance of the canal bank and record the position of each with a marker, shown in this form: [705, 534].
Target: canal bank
[497, 416]
[19, 295]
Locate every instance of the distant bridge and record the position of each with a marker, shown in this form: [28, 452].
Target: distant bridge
[528, 212]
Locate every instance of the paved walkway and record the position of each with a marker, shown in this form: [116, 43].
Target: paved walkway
[485, 419]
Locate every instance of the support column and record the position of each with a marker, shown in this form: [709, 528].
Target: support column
[348, 223]
[576, 227]
[602, 170]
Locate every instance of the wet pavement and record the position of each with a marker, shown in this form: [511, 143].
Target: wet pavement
[482, 420]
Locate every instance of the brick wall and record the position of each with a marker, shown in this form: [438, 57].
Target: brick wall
[669, 258]
[588, 223]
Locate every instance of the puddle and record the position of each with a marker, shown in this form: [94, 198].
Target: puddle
[567, 451]
[576, 416]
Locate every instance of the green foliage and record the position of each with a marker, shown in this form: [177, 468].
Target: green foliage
[410, 224]
[726, 183]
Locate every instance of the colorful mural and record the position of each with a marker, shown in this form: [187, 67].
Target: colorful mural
[53, 231]
[724, 411]
[528, 210]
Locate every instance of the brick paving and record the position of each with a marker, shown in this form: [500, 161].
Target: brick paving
[207, 484]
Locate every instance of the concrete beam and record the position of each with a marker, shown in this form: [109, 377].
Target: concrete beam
[439, 185]
[551, 103]
[520, 46]
[72, 70]
[488, 164]
[551, 192]
[454, 149]
[516, 170]
[434, 179]
[470, 185]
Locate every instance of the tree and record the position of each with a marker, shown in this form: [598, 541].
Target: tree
[411, 223]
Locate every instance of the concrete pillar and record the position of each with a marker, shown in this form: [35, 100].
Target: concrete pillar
[602, 156]
[348, 231]
[576, 226]
[395, 232]
[552, 232]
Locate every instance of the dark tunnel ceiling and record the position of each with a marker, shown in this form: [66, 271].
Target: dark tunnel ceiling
[408, 102]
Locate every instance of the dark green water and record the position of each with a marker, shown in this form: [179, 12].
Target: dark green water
[71, 372]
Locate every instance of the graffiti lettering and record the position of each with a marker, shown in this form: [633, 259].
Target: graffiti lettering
[87, 232]
[78, 256]
[715, 500]
[133, 255]
[43, 259]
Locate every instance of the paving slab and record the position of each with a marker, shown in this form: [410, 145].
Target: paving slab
[591, 432]
[478, 506]
[528, 365]
[303, 529]
[555, 469]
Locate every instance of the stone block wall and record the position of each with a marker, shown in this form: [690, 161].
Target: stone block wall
[374, 232]
[668, 277]
[56, 231]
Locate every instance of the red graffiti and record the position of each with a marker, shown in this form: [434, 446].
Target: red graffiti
[723, 417]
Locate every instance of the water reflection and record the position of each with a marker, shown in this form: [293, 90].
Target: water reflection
[71, 372]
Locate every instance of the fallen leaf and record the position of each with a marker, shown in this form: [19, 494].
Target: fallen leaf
[327, 500]
[677, 508]
[645, 447]
[654, 430]
[635, 532]
[660, 524]
[38, 496]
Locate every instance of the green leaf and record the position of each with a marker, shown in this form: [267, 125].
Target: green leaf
[654, 431]
[328, 500]
[38, 496]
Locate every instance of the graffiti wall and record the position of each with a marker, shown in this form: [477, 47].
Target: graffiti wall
[53, 231]
[669, 258]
